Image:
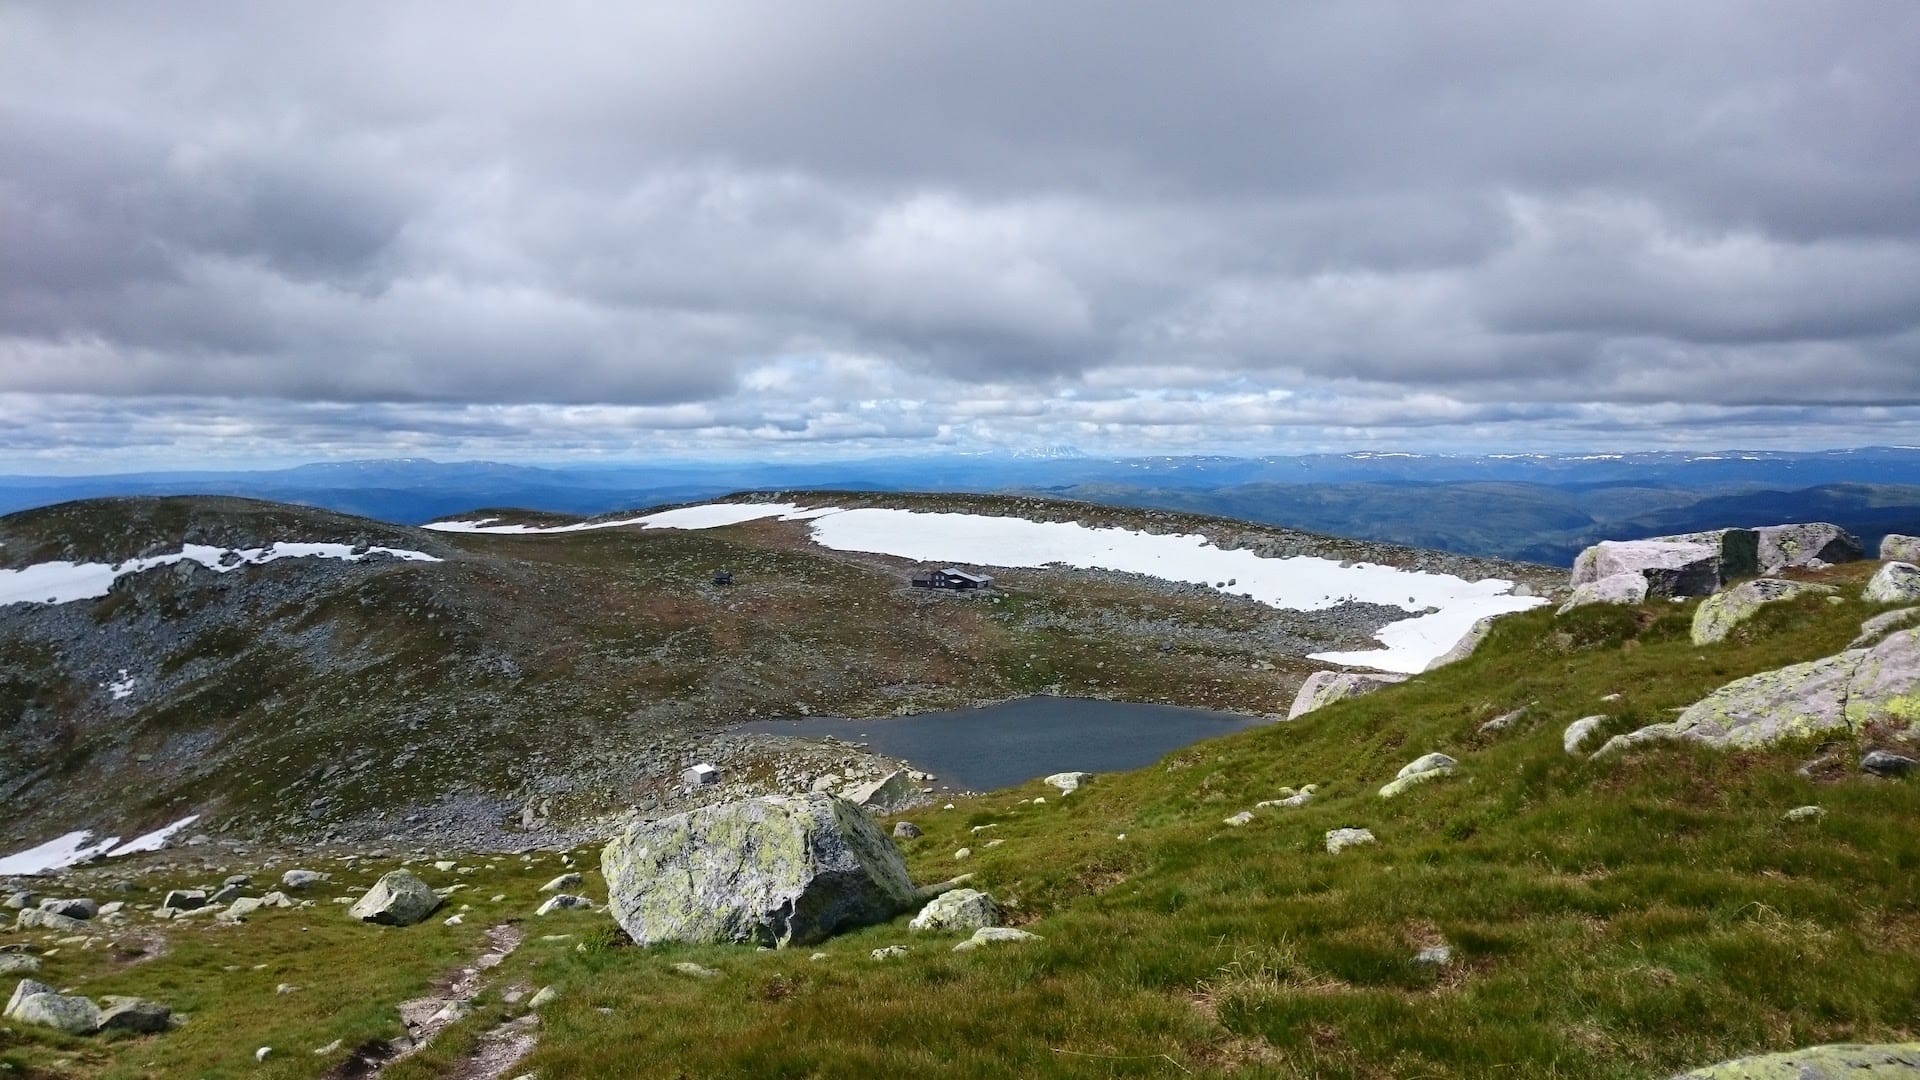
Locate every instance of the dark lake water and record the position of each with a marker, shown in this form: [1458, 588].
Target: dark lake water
[1001, 745]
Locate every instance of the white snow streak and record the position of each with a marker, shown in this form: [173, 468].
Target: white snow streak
[78, 847]
[62, 582]
[154, 840]
[122, 687]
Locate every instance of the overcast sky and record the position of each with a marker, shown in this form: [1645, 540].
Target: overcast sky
[260, 232]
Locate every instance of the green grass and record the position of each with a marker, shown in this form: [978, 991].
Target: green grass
[1623, 918]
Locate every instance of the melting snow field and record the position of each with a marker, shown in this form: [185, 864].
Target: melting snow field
[61, 582]
[78, 847]
[1303, 583]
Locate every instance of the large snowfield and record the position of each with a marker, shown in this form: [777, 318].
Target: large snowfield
[1302, 583]
[63, 582]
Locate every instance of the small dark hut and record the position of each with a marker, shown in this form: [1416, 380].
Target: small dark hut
[951, 578]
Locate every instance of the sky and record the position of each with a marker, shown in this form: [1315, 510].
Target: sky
[261, 233]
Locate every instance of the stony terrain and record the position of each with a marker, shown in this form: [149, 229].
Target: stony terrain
[523, 691]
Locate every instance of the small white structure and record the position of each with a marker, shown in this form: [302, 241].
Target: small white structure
[701, 775]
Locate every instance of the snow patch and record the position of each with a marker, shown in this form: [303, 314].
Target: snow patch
[154, 840]
[706, 516]
[122, 687]
[64, 582]
[1301, 583]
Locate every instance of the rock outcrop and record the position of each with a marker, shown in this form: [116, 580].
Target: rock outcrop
[1464, 648]
[399, 898]
[894, 791]
[1841, 693]
[1323, 688]
[1874, 630]
[1839, 1061]
[1698, 564]
[1718, 614]
[1577, 733]
[778, 870]
[1894, 583]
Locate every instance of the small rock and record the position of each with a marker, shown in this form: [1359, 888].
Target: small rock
[1883, 763]
[890, 952]
[285, 988]
[695, 971]
[547, 996]
[301, 879]
[1067, 782]
[1895, 583]
[1239, 819]
[988, 935]
[1504, 721]
[73, 1014]
[564, 881]
[961, 909]
[1339, 840]
[1434, 956]
[452, 920]
[263, 1053]
[1803, 813]
[816, 957]
[185, 899]
[330, 1048]
[963, 853]
[565, 902]
[905, 830]
[18, 964]
[72, 909]
[1579, 732]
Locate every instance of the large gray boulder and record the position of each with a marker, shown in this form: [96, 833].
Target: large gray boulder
[894, 791]
[1897, 548]
[962, 909]
[1839, 1061]
[36, 919]
[1669, 566]
[1718, 614]
[1625, 587]
[78, 908]
[134, 1014]
[399, 898]
[72, 1014]
[21, 992]
[1894, 583]
[1841, 694]
[777, 870]
[1698, 564]
[1323, 688]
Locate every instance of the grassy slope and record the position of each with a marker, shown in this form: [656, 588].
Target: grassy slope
[1623, 918]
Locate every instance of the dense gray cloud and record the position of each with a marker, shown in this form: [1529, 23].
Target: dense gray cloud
[515, 229]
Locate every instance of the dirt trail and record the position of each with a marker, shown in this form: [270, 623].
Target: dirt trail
[426, 1017]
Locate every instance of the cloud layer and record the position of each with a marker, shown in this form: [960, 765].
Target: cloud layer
[496, 228]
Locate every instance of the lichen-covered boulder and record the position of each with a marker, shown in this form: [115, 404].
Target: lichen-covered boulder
[1067, 782]
[1894, 583]
[1840, 693]
[26, 989]
[1781, 547]
[1669, 566]
[962, 909]
[77, 908]
[301, 879]
[1718, 614]
[1839, 1061]
[779, 870]
[1323, 688]
[1419, 771]
[1622, 588]
[1897, 548]
[399, 898]
[1339, 840]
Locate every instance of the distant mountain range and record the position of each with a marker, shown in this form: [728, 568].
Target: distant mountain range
[1539, 507]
